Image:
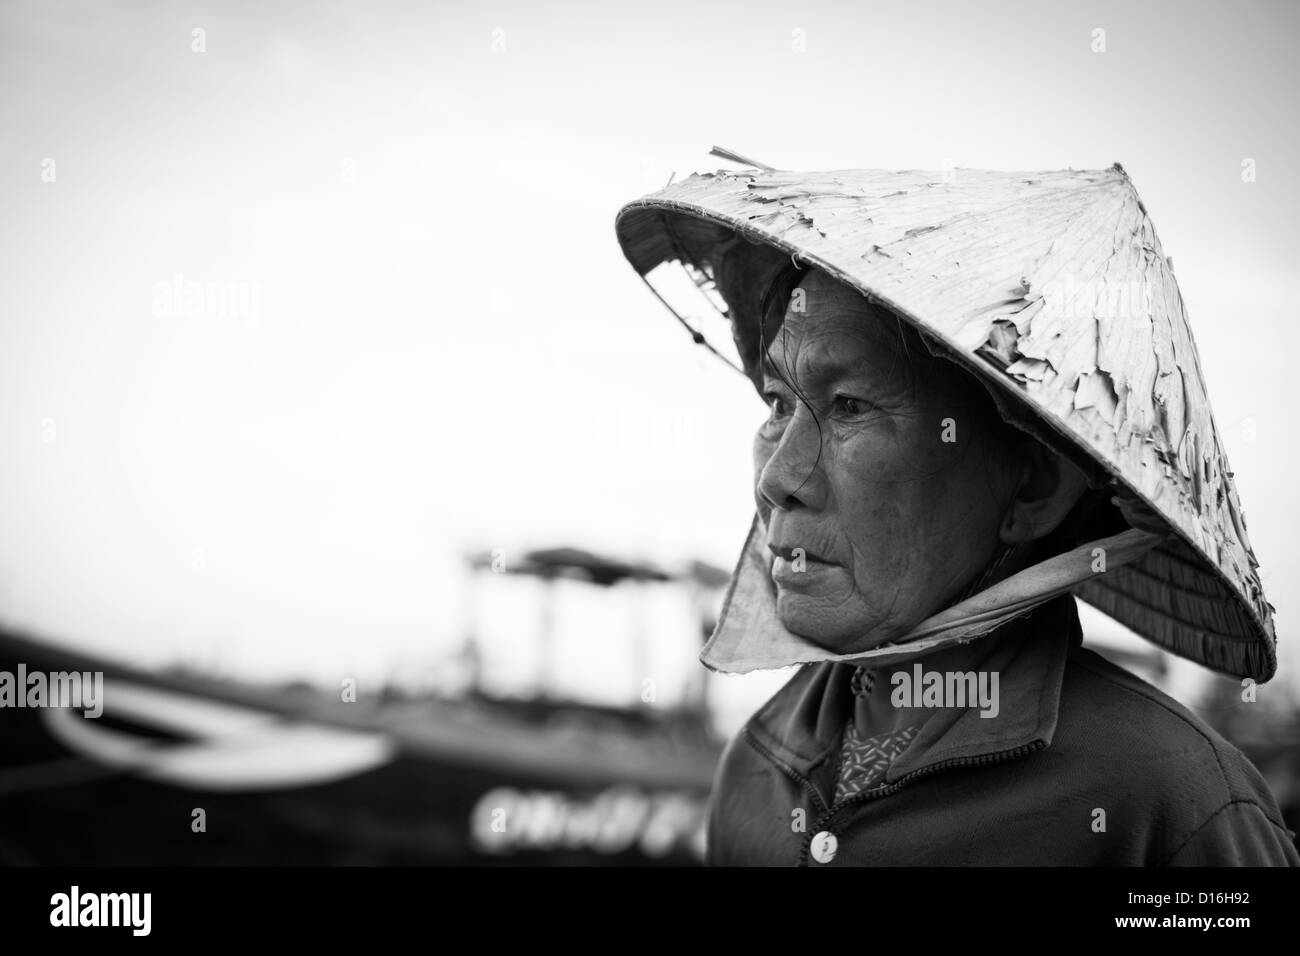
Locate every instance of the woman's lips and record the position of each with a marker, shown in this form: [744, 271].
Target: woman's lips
[794, 552]
[791, 569]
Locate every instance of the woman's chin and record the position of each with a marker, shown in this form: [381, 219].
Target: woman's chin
[828, 628]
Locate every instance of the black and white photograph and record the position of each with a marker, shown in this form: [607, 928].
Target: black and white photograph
[506, 436]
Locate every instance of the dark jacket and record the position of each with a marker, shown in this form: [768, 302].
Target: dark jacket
[1075, 735]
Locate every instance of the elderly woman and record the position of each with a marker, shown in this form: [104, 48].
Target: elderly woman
[962, 434]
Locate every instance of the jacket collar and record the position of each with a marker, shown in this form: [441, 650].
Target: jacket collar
[801, 725]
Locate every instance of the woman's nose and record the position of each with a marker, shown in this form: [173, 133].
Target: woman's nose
[793, 476]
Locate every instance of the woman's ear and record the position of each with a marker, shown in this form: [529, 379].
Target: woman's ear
[1048, 488]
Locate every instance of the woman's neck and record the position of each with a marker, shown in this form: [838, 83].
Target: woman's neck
[891, 702]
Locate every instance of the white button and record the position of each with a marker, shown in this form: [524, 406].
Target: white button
[824, 846]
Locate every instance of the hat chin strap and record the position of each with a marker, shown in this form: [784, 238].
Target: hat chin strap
[750, 636]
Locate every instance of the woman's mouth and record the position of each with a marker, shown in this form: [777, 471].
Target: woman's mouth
[795, 567]
[795, 554]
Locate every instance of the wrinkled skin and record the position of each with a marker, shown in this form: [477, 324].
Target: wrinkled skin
[893, 520]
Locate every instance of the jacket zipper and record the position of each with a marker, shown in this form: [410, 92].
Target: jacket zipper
[827, 815]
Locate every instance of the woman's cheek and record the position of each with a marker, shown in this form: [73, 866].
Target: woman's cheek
[887, 528]
[911, 454]
[864, 456]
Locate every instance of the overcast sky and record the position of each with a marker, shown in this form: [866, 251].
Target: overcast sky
[420, 335]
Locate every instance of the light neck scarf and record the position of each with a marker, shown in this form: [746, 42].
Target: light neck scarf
[750, 636]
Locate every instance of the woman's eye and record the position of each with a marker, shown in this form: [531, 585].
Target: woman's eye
[847, 405]
[776, 403]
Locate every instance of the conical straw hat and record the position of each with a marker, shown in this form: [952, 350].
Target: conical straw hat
[1051, 288]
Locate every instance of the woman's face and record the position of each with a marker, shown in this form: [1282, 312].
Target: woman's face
[895, 504]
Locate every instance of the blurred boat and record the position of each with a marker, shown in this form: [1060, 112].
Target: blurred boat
[188, 769]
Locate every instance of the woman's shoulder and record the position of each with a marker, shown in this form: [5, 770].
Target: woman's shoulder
[1099, 695]
[1164, 758]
